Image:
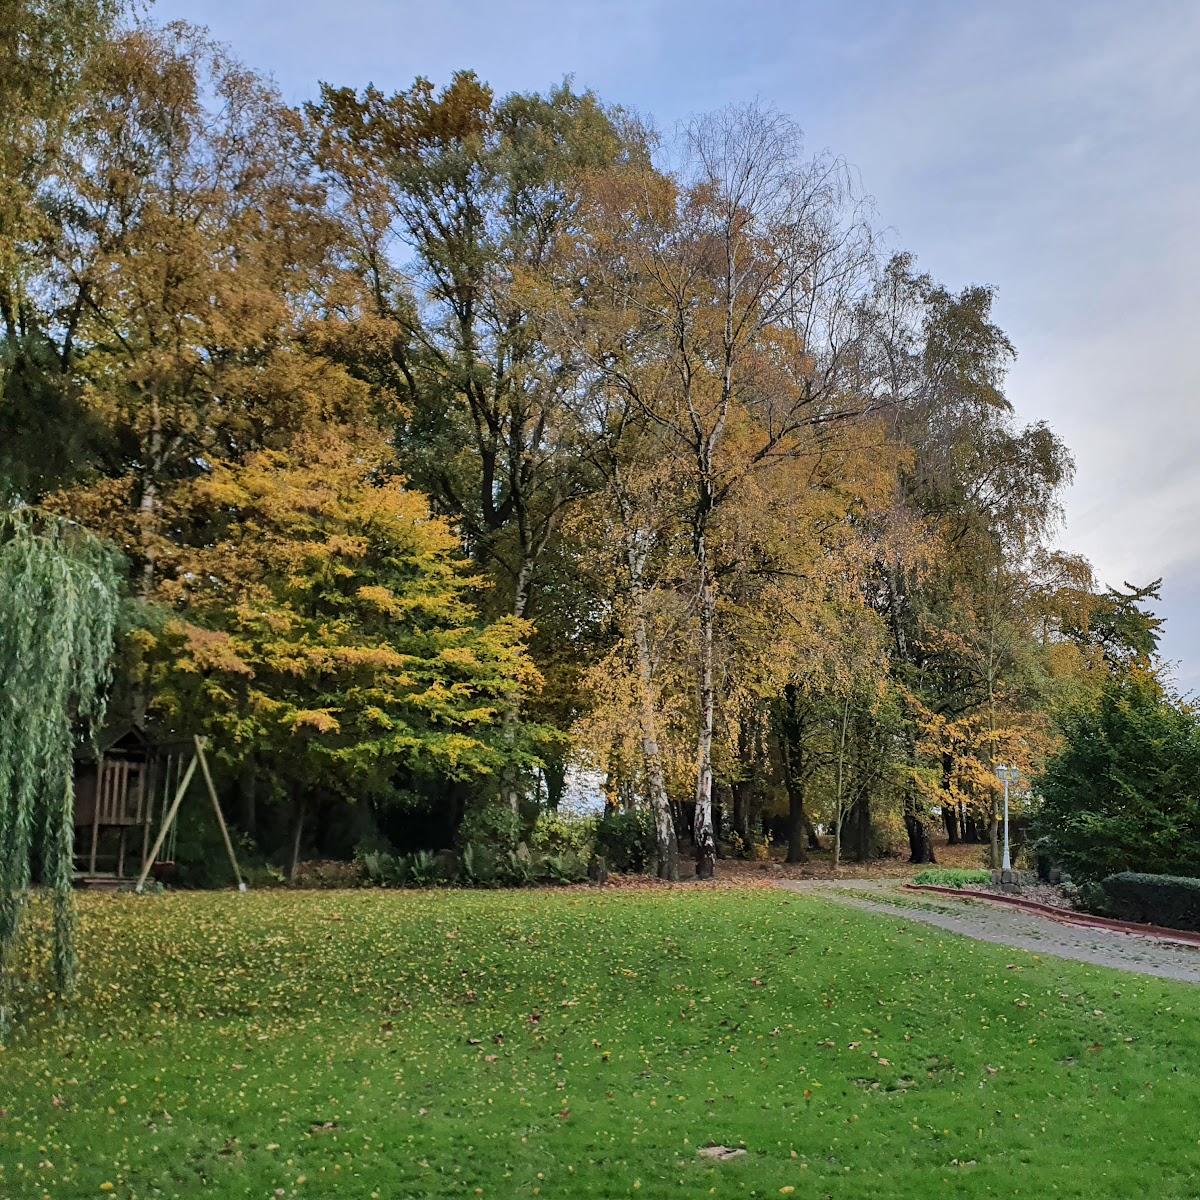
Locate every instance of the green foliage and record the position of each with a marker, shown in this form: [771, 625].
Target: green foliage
[625, 840]
[493, 825]
[952, 877]
[1124, 791]
[477, 865]
[59, 606]
[198, 851]
[1115, 622]
[565, 867]
[1170, 900]
[557, 833]
[516, 868]
[420, 869]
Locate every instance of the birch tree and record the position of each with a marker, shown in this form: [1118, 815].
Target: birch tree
[740, 279]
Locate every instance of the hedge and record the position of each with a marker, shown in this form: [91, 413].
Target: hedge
[1170, 900]
[955, 877]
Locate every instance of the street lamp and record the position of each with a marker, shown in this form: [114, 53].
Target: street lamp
[1007, 775]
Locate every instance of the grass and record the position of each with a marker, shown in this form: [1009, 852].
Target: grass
[585, 1044]
[952, 877]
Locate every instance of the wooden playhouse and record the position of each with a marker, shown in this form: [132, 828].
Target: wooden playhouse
[121, 795]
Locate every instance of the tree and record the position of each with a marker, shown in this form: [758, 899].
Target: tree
[59, 605]
[322, 622]
[631, 519]
[1121, 794]
[979, 497]
[187, 242]
[44, 56]
[724, 303]
[479, 191]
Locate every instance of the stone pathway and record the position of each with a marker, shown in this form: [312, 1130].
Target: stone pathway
[1009, 927]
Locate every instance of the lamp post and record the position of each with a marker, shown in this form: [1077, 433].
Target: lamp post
[1007, 775]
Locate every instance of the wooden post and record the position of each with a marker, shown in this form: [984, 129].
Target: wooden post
[96, 813]
[212, 795]
[300, 803]
[172, 812]
[146, 811]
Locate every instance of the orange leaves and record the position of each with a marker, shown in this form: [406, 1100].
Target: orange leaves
[209, 650]
[346, 603]
[320, 721]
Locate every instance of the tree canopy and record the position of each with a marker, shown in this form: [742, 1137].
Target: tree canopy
[453, 439]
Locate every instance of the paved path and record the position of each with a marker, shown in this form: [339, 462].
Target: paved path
[1010, 927]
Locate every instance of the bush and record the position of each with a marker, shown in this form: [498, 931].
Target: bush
[494, 825]
[477, 865]
[264, 876]
[1123, 792]
[1170, 900]
[625, 840]
[567, 867]
[557, 833]
[952, 877]
[418, 870]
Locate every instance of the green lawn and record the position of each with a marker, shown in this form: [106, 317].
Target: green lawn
[586, 1044]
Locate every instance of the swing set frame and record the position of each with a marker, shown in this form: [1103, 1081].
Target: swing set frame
[199, 759]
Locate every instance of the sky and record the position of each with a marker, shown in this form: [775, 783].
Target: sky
[1050, 149]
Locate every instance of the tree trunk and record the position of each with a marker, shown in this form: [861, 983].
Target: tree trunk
[995, 835]
[950, 819]
[969, 825]
[706, 847]
[148, 504]
[298, 802]
[839, 809]
[792, 746]
[860, 828]
[920, 842]
[510, 780]
[555, 775]
[743, 791]
[949, 816]
[656, 787]
[810, 832]
[797, 845]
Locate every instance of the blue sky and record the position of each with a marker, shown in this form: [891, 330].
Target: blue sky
[1051, 149]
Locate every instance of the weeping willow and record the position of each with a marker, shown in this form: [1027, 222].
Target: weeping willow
[59, 602]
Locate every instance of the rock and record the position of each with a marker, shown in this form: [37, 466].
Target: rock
[721, 1153]
[598, 869]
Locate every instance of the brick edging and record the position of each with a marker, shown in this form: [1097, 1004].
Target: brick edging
[1159, 933]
